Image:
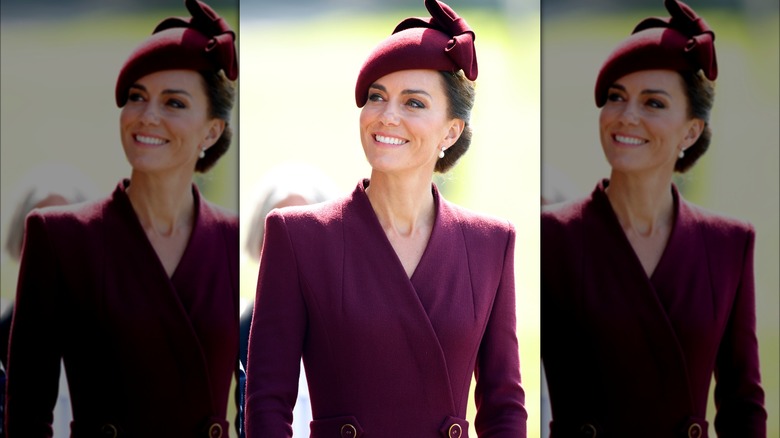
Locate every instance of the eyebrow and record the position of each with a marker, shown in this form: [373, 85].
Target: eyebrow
[648, 91]
[166, 91]
[407, 91]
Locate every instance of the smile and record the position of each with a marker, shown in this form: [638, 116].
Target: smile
[154, 141]
[629, 140]
[389, 140]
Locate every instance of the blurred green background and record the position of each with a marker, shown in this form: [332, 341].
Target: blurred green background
[737, 176]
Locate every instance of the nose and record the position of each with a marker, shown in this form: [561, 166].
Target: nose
[629, 114]
[390, 116]
[149, 116]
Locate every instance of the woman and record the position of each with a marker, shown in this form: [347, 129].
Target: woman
[286, 185]
[392, 296]
[645, 295]
[138, 292]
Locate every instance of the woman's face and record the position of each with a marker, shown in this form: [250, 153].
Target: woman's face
[165, 123]
[644, 124]
[404, 124]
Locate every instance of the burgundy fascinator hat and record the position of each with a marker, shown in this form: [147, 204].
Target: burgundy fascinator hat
[443, 42]
[204, 42]
[681, 42]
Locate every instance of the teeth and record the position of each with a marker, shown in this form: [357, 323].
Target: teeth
[149, 140]
[629, 140]
[389, 140]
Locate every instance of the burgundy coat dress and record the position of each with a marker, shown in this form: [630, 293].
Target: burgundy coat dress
[628, 355]
[144, 354]
[385, 355]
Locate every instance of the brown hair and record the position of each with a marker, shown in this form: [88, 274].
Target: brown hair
[701, 95]
[221, 93]
[460, 93]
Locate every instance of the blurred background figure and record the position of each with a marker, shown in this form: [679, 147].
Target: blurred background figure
[287, 184]
[46, 185]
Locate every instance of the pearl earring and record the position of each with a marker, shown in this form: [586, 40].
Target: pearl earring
[441, 153]
[202, 153]
[681, 154]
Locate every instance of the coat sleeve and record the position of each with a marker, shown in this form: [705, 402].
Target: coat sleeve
[499, 396]
[739, 397]
[276, 337]
[35, 347]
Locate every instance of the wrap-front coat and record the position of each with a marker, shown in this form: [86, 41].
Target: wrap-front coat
[145, 354]
[628, 355]
[385, 355]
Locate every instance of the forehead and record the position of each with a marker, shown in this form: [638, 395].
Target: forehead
[185, 80]
[668, 81]
[429, 81]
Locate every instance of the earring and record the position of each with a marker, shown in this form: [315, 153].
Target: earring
[441, 153]
[202, 153]
[681, 154]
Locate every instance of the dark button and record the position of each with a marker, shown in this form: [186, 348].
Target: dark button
[348, 431]
[694, 431]
[588, 430]
[455, 431]
[215, 431]
[108, 430]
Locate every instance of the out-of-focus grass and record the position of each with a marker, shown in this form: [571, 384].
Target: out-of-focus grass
[297, 104]
[737, 176]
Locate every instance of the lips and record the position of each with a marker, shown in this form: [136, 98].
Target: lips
[149, 140]
[393, 141]
[629, 140]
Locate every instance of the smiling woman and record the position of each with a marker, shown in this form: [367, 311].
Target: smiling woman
[138, 292]
[416, 293]
[644, 295]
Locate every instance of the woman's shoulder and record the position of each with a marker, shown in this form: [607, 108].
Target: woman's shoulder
[72, 215]
[322, 213]
[716, 223]
[564, 212]
[476, 221]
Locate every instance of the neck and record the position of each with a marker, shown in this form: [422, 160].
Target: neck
[644, 206]
[403, 205]
[164, 206]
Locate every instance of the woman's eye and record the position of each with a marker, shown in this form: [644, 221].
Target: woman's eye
[655, 103]
[134, 97]
[375, 97]
[614, 97]
[176, 103]
[414, 103]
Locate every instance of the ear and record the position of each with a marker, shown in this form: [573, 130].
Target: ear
[695, 128]
[215, 129]
[453, 133]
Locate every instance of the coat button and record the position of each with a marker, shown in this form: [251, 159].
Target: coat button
[348, 431]
[109, 431]
[694, 431]
[588, 430]
[215, 431]
[455, 431]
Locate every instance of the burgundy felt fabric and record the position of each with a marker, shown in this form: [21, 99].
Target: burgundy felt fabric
[204, 42]
[443, 42]
[681, 42]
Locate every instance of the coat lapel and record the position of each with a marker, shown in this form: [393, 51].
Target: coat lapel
[391, 302]
[621, 283]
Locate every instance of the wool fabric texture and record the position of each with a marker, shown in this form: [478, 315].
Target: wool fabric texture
[203, 42]
[681, 42]
[443, 42]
